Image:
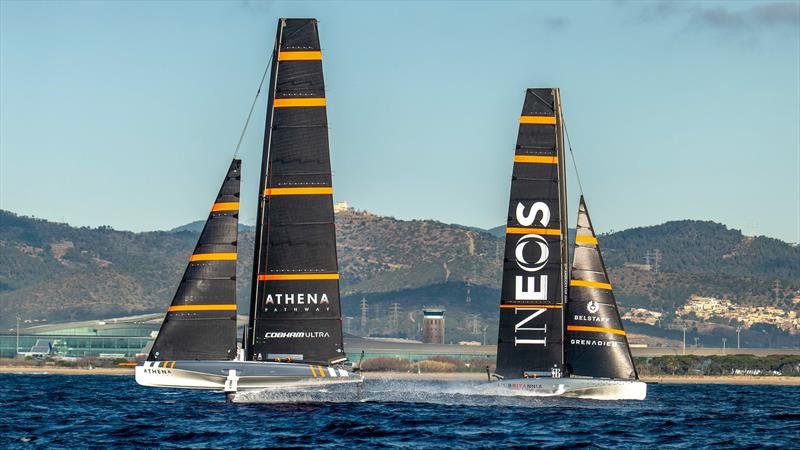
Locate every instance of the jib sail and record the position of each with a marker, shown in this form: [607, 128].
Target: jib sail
[530, 337]
[295, 311]
[596, 342]
[201, 320]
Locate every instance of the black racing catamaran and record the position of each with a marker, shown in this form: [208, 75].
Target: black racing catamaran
[294, 333]
[560, 330]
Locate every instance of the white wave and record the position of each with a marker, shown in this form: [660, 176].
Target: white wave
[402, 391]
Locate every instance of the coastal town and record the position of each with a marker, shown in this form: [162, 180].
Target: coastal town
[715, 309]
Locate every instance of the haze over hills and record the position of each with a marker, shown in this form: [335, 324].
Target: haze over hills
[57, 272]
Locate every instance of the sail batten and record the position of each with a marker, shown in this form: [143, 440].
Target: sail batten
[201, 320]
[530, 337]
[596, 343]
[295, 310]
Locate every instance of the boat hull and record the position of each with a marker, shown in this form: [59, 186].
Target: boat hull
[586, 388]
[237, 376]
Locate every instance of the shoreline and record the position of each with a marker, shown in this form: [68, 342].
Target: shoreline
[447, 376]
[654, 379]
[55, 370]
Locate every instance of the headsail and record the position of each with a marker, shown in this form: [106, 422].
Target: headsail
[295, 311]
[530, 337]
[201, 320]
[596, 342]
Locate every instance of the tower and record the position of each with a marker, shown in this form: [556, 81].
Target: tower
[364, 308]
[656, 260]
[433, 326]
[394, 317]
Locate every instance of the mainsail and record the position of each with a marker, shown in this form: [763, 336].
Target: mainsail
[295, 310]
[201, 320]
[596, 342]
[530, 337]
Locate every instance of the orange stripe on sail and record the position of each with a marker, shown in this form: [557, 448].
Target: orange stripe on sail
[536, 159]
[313, 372]
[538, 120]
[171, 366]
[594, 284]
[299, 191]
[546, 231]
[295, 102]
[586, 240]
[321, 371]
[300, 56]
[225, 206]
[529, 306]
[213, 257]
[299, 276]
[202, 308]
[595, 329]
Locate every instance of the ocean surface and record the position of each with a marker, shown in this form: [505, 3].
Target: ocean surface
[59, 411]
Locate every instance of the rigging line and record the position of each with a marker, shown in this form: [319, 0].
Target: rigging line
[572, 154]
[252, 107]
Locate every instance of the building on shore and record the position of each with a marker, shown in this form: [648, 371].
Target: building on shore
[433, 326]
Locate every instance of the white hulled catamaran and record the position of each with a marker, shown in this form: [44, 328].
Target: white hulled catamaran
[294, 332]
[560, 330]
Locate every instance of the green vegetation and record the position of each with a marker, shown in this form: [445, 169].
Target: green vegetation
[787, 365]
[700, 257]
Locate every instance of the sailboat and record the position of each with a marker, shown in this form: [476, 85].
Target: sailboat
[560, 331]
[294, 332]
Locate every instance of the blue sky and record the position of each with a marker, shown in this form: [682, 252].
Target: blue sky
[127, 114]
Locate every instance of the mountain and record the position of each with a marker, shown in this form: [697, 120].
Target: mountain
[58, 272]
[197, 227]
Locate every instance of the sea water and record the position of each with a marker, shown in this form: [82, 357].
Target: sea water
[113, 411]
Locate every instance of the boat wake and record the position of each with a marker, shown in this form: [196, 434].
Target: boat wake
[468, 393]
[334, 393]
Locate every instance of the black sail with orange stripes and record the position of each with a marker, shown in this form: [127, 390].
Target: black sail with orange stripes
[201, 320]
[596, 345]
[295, 310]
[530, 338]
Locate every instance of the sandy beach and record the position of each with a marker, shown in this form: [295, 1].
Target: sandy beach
[739, 379]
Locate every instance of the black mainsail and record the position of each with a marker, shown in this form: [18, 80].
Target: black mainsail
[295, 309]
[596, 342]
[201, 320]
[530, 338]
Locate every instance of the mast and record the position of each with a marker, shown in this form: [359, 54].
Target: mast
[258, 257]
[596, 344]
[530, 336]
[295, 312]
[200, 323]
[562, 202]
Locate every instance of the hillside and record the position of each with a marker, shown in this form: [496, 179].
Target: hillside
[58, 272]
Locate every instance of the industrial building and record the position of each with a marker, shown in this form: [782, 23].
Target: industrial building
[131, 337]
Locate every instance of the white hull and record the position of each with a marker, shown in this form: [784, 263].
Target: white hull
[237, 376]
[587, 388]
